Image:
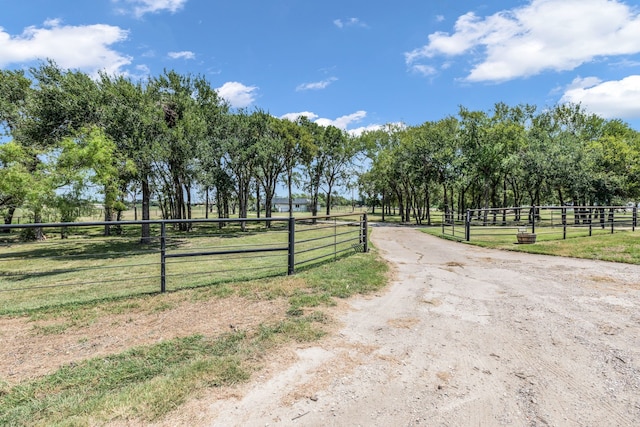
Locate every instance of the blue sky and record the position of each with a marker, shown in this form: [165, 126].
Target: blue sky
[355, 64]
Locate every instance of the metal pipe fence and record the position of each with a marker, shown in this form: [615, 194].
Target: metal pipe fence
[79, 262]
[547, 222]
[452, 226]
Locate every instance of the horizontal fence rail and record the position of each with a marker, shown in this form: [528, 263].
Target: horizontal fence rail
[453, 226]
[89, 261]
[339, 237]
[545, 222]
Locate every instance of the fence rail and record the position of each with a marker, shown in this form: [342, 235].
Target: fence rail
[550, 222]
[78, 262]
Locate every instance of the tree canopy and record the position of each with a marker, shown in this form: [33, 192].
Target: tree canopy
[170, 138]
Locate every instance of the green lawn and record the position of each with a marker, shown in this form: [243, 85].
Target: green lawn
[142, 384]
[88, 267]
[622, 246]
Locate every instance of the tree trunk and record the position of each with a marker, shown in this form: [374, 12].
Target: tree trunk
[290, 197]
[560, 198]
[257, 200]
[445, 198]
[243, 201]
[8, 218]
[328, 209]
[400, 206]
[189, 211]
[108, 212]
[504, 201]
[146, 202]
[206, 203]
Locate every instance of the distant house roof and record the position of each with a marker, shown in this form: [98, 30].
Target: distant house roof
[296, 201]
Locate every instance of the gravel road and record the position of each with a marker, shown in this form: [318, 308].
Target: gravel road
[466, 336]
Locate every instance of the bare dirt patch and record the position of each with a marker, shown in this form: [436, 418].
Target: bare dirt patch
[404, 322]
[31, 348]
[510, 339]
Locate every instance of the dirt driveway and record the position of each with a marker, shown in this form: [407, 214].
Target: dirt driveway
[466, 336]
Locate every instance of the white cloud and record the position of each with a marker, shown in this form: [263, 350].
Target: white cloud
[84, 47]
[544, 35]
[369, 128]
[344, 121]
[425, 70]
[141, 72]
[351, 22]
[185, 54]
[53, 22]
[341, 122]
[625, 63]
[316, 85]
[611, 99]
[237, 94]
[295, 116]
[142, 7]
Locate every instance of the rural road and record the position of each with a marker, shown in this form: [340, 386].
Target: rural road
[466, 336]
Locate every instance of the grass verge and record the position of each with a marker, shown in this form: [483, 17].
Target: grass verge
[144, 383]
[621, 246]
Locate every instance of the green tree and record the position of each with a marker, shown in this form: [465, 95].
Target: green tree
[613, 157]
[379, 147]
[15, 178]
[214, 111]
[297, 144]
[185, 128]
[15, 89]
[314, 161]
[90, 160]
[61, 103]
[240, 148]
[271, 159]
[134, 122]
[340, 149]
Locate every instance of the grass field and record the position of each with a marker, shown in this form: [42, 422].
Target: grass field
[621, 246]
[144, 383]
[87, 266]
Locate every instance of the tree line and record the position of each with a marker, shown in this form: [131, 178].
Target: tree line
[72, 137]
[159, 140]
[509, 156]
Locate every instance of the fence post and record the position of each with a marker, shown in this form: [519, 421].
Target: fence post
[292, 246]
[613, 217]
[365, 237]
[635, 219]
[335, 238]
[564, 223]
[163, 259]
[453, 225]
[467, 226]
[533, 220]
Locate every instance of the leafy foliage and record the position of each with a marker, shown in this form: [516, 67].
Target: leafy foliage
[167, 137]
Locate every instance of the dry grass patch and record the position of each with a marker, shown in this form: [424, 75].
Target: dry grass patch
[31, 348]
[404, 323]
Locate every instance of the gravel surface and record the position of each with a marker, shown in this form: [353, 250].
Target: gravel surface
[464, 336]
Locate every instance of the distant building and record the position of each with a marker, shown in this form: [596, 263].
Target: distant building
[281, 204]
